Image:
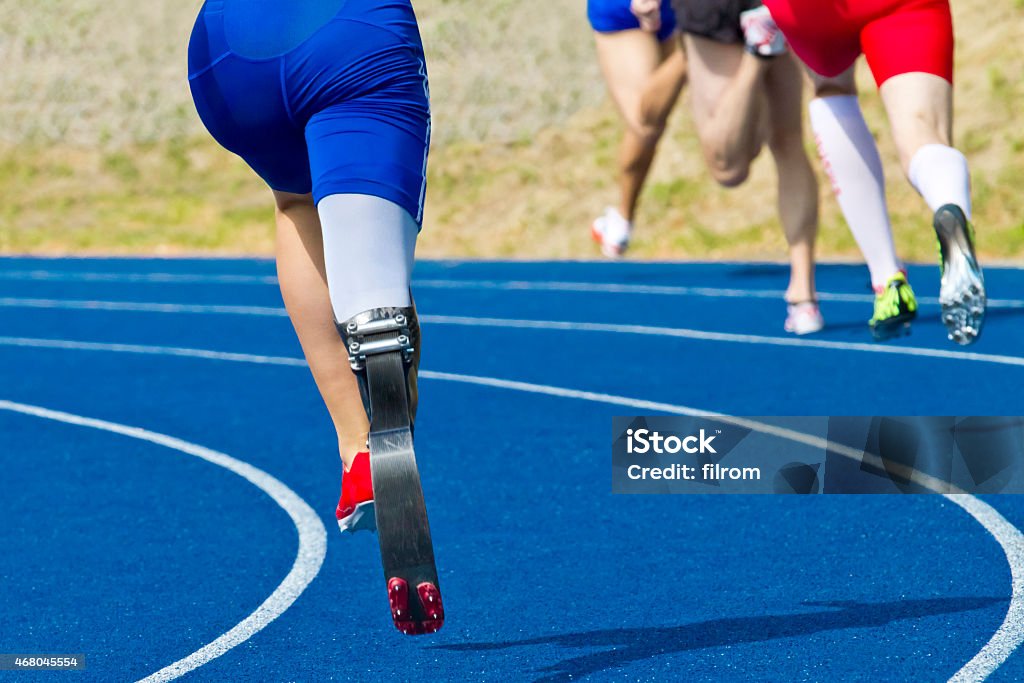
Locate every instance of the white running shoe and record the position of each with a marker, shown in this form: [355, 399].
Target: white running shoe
[804, 318]
[763, 38]
[612, 231]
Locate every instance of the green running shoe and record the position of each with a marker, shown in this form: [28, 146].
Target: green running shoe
[962, 292]
[895, 307]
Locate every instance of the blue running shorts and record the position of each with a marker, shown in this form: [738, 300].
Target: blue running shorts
[321, 96]
[609, 16]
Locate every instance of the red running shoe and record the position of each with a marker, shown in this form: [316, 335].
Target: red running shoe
[355, 508]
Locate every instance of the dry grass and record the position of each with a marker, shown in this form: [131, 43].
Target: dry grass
[88, 73]
[100, 150]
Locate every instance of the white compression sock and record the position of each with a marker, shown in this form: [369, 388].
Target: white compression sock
[369, 246]
[940, 174]
[850, 157]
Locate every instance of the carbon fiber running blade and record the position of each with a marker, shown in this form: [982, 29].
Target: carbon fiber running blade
[406, 550]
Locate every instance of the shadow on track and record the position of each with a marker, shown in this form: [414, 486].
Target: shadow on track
[635, 644]
[862, 325]
[850, 271]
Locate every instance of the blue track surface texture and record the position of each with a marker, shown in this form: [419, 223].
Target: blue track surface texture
[139, 555]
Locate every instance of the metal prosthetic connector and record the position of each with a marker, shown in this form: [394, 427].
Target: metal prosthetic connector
[379, 331]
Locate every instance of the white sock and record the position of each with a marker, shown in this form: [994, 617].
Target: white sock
[940, 174]
[850, 157]
[369, 246]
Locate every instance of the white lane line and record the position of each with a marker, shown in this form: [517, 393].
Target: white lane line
[1011, 632]
[685, 333]
[312, 535]
[931, 483]
[498, 285]
[31, 342]
[647, 330]
[141, 306]
[667, 290]
[1002, 644]
[622, 288]
[169, 278]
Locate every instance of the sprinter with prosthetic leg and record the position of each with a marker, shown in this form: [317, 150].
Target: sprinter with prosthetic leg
[328, 101]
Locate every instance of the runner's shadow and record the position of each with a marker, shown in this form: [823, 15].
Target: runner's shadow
[848, 271]
[635, 644]
[861, 326]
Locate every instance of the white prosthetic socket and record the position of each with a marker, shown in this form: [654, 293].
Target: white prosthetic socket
[369, 248]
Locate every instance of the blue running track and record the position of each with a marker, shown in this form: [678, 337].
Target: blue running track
[140, 553]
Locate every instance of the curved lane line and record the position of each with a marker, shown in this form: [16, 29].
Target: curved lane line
[1003, 643]
[1010, 633]
[312, 535]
